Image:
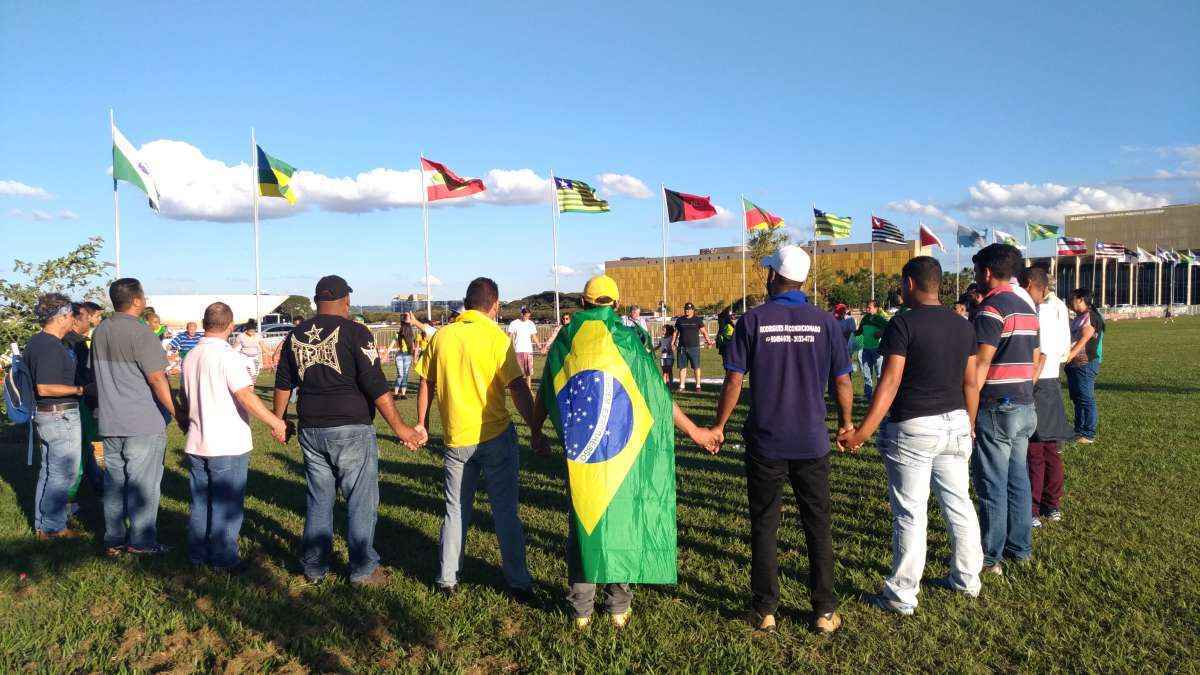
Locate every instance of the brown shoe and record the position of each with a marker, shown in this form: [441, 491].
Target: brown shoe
[764, 623]
[376, 579]
[827, 623]
[65, 533]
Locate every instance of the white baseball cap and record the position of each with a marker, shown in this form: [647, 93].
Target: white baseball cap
[790, 262]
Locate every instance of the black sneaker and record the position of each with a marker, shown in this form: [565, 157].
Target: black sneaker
[447, 591]
[152, 550]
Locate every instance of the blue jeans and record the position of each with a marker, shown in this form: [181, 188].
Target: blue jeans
[218, 490]
[1001, 476]
[345, 457]
[403, 365]
[133, 470]
[497, 460]
[1081, 384]
[59, 440]
[869, 362]
[916, 452]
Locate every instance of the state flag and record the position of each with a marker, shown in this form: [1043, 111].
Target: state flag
[682, 206]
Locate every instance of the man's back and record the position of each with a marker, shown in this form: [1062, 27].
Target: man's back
[935, 343]
[1008, 323]
[471, 362]
[790, 349]
[124, 352]
[217, 424]
[334, 363]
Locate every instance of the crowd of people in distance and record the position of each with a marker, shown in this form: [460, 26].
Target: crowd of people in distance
[957, 397]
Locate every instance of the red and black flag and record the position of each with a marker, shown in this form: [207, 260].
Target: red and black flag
[682, 206]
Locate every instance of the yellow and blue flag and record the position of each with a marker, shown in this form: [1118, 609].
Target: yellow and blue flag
[607, 400]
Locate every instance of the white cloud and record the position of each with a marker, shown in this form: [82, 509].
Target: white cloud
[13, 188]
[433, 281]
[1187, 152]
[195, 187]
[565, 271]
[40, 215]
[67, 214]
[915, 207]
[622, 184]
[1017, 202]
[724, 218]
[598, 268]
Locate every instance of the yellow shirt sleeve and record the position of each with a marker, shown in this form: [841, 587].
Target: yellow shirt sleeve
[510, 370]
[421, 368]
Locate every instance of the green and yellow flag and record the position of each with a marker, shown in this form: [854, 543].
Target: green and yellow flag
[1039, 231]
[274, 177]
[577, 196]
[612, 411]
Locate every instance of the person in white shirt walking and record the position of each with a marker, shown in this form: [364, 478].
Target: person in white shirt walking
[1045, 458]
[524, 337]
[218, 391]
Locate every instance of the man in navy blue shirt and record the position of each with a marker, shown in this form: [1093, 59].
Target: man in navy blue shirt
[791, 350]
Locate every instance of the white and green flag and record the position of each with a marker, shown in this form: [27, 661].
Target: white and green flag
[127, 166]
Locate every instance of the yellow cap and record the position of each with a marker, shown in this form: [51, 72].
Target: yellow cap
[601, 290]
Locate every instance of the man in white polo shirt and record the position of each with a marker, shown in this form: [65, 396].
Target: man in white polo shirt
[219, 395]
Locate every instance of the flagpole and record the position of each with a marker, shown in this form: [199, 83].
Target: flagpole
[257, 261]
[663, 194]
[743, 199]
[112, 125]
[1158, 274]
[1028, 261]
[957, 264]
[872, 256]
[425, 230]
[554, 237]
[814, 255]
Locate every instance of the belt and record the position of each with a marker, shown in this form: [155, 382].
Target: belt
[56, 407]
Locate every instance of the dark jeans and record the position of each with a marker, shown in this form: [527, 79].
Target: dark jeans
[1081, 384]
[345, 458]
[1045, 476]
[133, 471]
[218, 493]
[810, 482]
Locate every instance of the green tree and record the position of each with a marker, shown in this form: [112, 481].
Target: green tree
[765, 242]
[295, 305]
[79, 274]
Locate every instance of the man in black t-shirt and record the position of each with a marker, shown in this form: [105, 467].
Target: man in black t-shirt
[927, 391]
[689, 328]
[334, 363]
[56, 393]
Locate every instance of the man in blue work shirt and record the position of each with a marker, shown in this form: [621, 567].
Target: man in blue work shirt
[791, 350]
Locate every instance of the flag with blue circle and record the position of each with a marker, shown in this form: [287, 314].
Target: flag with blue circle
[613, 414]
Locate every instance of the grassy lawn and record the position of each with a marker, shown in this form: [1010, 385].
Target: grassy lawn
[1114, 586]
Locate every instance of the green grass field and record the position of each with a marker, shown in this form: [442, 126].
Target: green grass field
[1115, 586]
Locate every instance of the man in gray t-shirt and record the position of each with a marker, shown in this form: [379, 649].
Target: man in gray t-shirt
[135, 404]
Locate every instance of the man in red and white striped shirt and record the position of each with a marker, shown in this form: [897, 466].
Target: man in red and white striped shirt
[1006, 336]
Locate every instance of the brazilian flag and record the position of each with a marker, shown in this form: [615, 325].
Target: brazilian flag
[606, 397]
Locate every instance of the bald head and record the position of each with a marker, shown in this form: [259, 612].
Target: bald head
[218, 318]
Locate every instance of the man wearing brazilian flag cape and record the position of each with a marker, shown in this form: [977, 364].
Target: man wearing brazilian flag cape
[603, 392]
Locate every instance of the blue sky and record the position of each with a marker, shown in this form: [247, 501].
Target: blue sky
[944, 112]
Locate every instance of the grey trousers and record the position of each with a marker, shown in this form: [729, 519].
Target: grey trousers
[582, 594]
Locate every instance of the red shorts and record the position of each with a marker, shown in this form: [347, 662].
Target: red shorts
[525, 360]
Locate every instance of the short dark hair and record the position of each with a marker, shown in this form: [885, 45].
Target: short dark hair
[123, 292]
[1003, 260]
[925, 271]
[78, 308]
[1034, 276]
[217, 317]
[482, 293]
[1084, 294]
[49, 306]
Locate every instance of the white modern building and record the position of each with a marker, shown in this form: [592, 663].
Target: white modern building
[176, 310]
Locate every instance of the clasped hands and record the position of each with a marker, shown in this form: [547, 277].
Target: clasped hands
[850, 438]
[415, 437]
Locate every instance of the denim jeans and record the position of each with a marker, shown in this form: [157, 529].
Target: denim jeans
[496, 461]
[403, 366]
[133, 471]
[1001, 474]
[869, 362]
[218, 490]
[936, 447]
[1081, 385]
[59, 440]
[345, 457]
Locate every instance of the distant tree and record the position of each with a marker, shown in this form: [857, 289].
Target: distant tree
[765, 242]
[79, 274]
[295, 305]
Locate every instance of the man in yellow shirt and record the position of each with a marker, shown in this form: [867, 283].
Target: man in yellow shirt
[468, 365]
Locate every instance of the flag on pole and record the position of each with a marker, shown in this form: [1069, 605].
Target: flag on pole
[968, 237]
[274, 177]
[442, 183]
[607, 401]
[758, 218]
[1186, 256]
[1038, 231]
[127, 166]
[1163, 256]
[1168, 256]
[883, 232]
[1109, 250]
[682, 206]
[1143, 256]
[928, 238]
[578, 197]
[832, 225]
[1068, 246]
[1002, 237]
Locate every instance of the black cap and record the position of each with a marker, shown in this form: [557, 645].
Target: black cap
[689, 305]
[332, 287]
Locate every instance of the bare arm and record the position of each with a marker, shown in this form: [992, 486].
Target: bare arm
[52, 390]
[983, 361]
[709, 439]
[282, 398]
[845, 397]
[704, 334]
[971, 390]
[1084, 335]
[424, 401]
[162, 390]
[250, 401]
